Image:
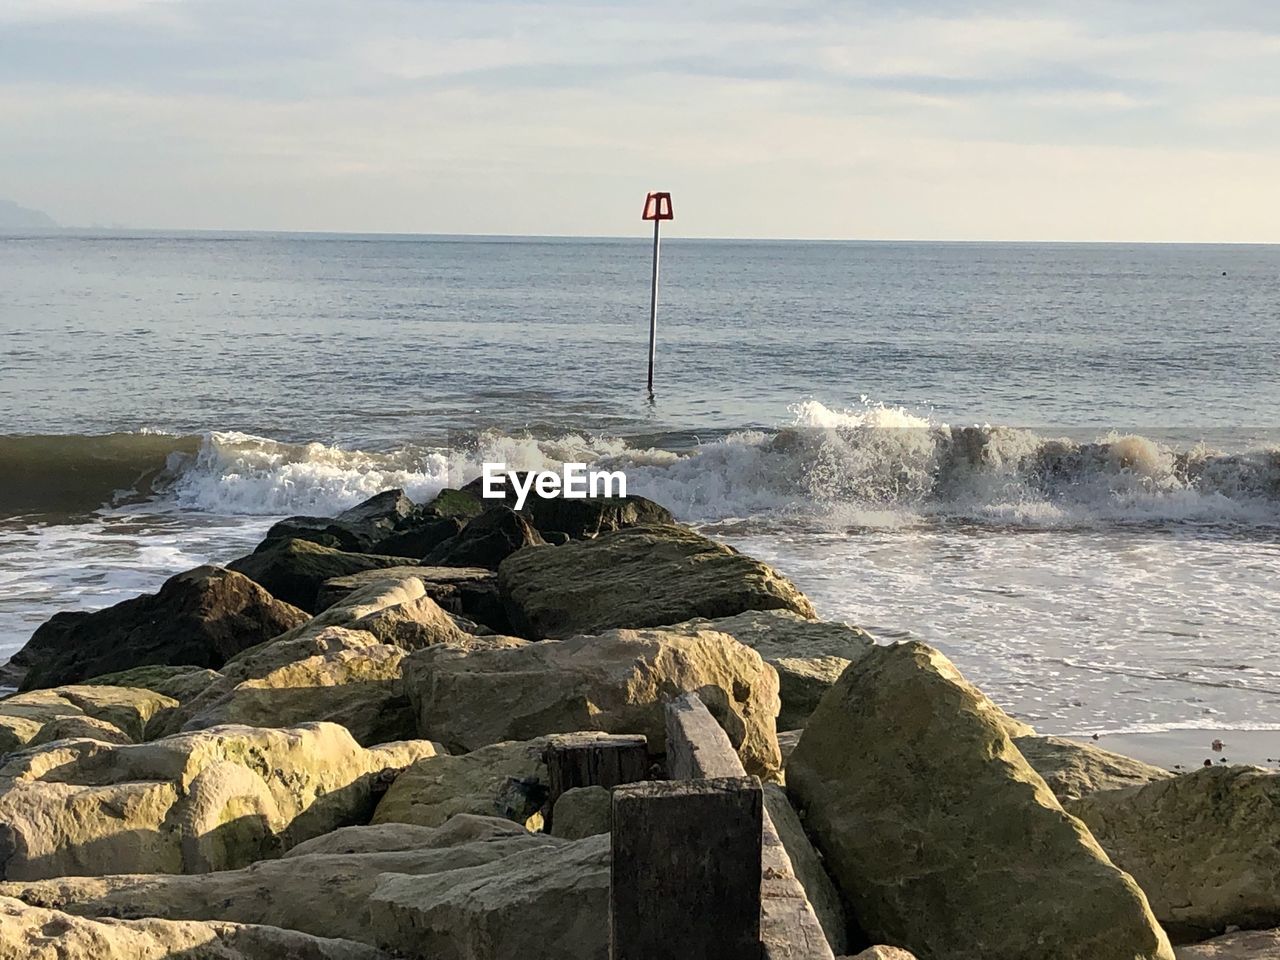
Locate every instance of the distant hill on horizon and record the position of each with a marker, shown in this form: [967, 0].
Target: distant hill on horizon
[16, 217]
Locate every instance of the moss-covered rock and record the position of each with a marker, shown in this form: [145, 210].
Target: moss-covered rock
[294, 570]
[1074, 770]
[209, 800]
[940, 835]
[637, 577]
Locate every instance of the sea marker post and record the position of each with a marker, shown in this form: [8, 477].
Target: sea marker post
[657, 207]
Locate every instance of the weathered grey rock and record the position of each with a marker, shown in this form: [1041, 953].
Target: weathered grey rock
[787, 740]
[325, 894]
[882, 953]
[905, 770]
[82, 727]
[809, 655]
[1248, 945]
[486, 540]
[508, 780]
[392, 837]
[467, 592]
[200, 618]
[294, 570]
[536, 905]
[582, 812]
[417, 536]
[1073, 770]
[637, 577]
[806, 863]
[209, 800]
[616, 682]
[33, 933]
[1204, 846]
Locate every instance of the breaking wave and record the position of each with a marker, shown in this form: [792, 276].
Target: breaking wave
[873, 465]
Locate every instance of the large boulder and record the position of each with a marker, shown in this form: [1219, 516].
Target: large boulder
[34, 716]
[536, 905]
[199, 618]
[486, 541]
[324, 892]
[79, 728]
[209, 800]
[34, 933]
[940, 835]
[617, 682]
[418, 535]
[637, 577]
[809, 655]
[589, 517]
[1204, 846]
[466, 593]
[582, 812]
[1247, 945]
[294, 570]
[1074, 770]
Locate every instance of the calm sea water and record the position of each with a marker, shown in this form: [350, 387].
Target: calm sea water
[1097, 550]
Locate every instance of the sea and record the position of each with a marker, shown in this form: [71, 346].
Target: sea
[1058, 463]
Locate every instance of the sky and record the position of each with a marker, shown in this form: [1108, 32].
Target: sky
[922, 119]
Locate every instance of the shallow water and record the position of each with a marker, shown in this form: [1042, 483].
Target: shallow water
[1113, 571]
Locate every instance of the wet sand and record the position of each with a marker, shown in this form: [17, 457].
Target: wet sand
[1189, 749]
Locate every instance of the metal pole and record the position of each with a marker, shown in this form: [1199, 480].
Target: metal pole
[653, 305]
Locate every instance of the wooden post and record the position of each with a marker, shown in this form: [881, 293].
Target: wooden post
[685, 874]
[593, 760]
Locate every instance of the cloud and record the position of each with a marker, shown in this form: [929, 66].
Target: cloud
[916, 119]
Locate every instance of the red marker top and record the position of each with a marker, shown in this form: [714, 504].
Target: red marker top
[657, 206]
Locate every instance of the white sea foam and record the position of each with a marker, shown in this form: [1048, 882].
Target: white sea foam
[870, 466]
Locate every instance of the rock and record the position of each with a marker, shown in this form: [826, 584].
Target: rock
[294, 570]
[463, 504]
[331, 668]
[33, 933]
[536, 905]
[180, 683]
[210, 800]
[507, 780]
[582, 812]
[470, 592]
[882, 953]
[906, 770]
[638, 577]
[358, 687]
[1074, 770]
[127, 709]
[616, 682]
[1204, 846]
[417, 537]
[1251, 945]
[809, 655]
[324, 894]
[392, 837]
[355, 530]
[82, 727]
[592, 516]
[486, 541]
[198, 618]
[806, 864]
